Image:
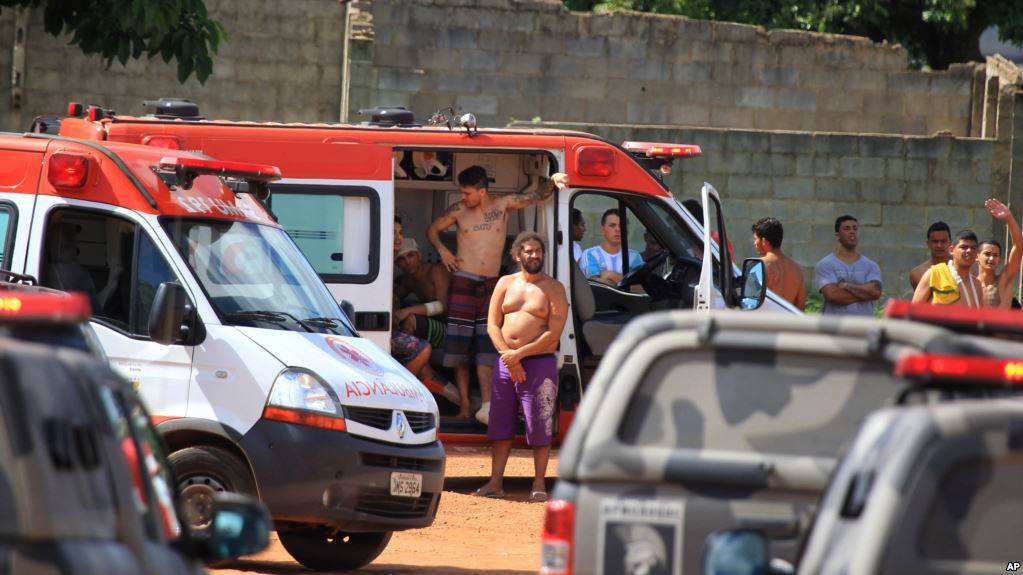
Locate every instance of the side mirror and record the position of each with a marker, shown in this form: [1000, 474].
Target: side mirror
[349, 309]
[171, 317]
[739, 552]
[754, 284]
[240, 526]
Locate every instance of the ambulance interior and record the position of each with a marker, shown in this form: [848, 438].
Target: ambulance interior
[426, 184]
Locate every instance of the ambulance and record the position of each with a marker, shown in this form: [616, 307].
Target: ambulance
[256, 380]
[343, 186]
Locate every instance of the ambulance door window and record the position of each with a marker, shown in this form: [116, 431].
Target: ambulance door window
[7, 228]
[151, 270]
[336, 228]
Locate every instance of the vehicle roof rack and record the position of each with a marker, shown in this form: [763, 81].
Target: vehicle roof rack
[174, 109]
[396, 116]
[985, 321]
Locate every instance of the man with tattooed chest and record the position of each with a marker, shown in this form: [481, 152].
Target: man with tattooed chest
[482, 223]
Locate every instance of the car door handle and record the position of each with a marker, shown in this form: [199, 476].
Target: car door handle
[373, 320]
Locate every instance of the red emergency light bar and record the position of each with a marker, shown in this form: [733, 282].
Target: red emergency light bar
[961, 369]
[68, 170]
[240, 170]
[960, 319]
[18, 306]
[164, 141]
[662, 150]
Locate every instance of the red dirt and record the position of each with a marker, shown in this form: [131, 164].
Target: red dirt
[470, 535]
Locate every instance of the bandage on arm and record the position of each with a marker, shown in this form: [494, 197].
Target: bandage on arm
[434, 308]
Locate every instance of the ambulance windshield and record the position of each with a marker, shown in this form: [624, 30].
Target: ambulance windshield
[255, 276]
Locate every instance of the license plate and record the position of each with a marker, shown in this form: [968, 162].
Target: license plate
[406, 484]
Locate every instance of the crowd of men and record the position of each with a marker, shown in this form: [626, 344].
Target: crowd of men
[960, 271]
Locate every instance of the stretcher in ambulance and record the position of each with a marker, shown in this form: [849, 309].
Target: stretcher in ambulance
[256, 379]
[343, 187]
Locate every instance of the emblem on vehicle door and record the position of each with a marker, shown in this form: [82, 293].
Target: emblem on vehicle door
[400, 424]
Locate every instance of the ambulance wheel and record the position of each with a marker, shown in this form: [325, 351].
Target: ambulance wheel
[326, 550]
[203, 472]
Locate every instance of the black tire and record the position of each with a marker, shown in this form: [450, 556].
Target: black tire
[204, 471]
[323, 550]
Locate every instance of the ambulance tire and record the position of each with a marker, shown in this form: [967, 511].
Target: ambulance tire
[321, 550]
[204, 471]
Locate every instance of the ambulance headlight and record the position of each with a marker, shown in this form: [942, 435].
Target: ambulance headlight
[298, 389]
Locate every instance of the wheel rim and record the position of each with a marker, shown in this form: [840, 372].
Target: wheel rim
[197, 493]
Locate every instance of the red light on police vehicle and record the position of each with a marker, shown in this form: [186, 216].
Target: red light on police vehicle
[74, 109]
[962, 319]
[960, 369]
[595, 161]
[662, 150]
[68, 170]
[242, 170]
[57, 307]
[558, 538]
[162, 141]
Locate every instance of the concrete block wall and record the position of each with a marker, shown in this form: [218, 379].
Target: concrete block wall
[519, 59]
[282, 62]
[895, 185]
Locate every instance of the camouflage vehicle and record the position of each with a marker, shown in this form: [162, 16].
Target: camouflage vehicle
[84, 485]
[943, 498]
[698, 423]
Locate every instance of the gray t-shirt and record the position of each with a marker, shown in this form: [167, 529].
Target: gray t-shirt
[831, 270]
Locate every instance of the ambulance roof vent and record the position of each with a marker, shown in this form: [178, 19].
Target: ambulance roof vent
[173, 109]
[397, 116]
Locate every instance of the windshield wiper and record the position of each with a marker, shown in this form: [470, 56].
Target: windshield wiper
[274, 316]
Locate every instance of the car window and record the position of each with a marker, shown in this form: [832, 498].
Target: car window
[151, 474]
[7, 229]
[755, 401]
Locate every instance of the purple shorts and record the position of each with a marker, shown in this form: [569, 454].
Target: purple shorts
[537, 397]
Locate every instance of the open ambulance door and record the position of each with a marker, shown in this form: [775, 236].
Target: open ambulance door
[344, 227]
[746, 292]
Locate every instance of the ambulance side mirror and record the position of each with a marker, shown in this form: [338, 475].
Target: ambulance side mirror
[172, 317]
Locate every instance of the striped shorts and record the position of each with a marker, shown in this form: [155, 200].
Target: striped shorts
[466, 331]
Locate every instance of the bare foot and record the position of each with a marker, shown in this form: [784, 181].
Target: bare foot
[463, 414]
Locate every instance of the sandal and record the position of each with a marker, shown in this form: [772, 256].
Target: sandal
[538, 496]
[482, 492]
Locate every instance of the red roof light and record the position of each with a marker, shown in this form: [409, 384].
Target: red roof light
[67, 170]
[96, 113]
[961, 369]
[162, 141]
[595, 161]
[74, 109]
[19, 306]
[241, 170]
[663, 150]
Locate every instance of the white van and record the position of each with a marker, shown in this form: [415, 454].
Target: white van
[255, 378]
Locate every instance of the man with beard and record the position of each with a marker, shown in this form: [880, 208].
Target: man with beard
[939, 238]
[481, 222]
[849, 282]
[951, 283]
[527, 315]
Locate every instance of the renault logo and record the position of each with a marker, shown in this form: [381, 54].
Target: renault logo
[400, 425]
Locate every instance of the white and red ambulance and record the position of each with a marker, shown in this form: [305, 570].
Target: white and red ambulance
[256, 379]
[343, 185]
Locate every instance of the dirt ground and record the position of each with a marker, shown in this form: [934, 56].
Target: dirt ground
[470, 535]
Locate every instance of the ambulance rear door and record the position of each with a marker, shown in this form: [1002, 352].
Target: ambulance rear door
[334, 211]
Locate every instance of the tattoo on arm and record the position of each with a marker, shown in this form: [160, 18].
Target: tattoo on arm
[536, 196]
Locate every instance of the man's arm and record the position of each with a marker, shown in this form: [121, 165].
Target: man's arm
[441, 286]
[801, 295]
[445, 221]
[541, 193]
[868, 291]
[1015, 254]
[495, 315]
[922, 293]
[837, 295]
[916, 273]
[548, 340]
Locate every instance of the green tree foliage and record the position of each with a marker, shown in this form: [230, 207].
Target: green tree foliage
[935, 32]
[179, 30]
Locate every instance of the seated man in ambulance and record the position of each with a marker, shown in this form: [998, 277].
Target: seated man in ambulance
[604, 262]
[429, 282]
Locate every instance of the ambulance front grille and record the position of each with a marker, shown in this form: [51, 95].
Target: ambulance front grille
[380, 502]
[381, 418]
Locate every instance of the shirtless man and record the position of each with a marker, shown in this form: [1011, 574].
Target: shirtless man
[784, 275]
[430, 283]
[527, 315]
[481, 222]
[939, 238]
[951, 283]
[997, 286]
